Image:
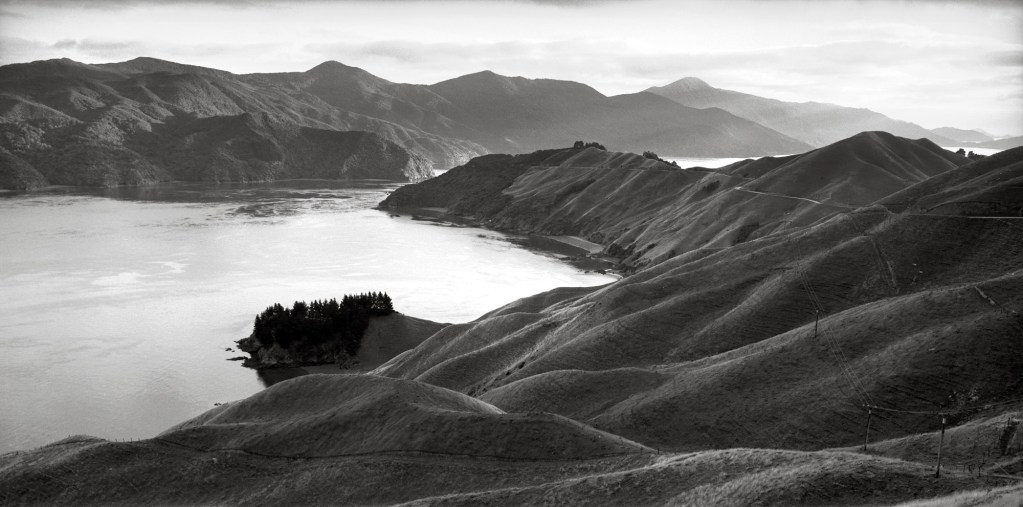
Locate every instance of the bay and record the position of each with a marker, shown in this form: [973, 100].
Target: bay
[117, 306]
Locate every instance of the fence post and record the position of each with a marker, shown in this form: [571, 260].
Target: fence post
[866, 434]
[941, 443]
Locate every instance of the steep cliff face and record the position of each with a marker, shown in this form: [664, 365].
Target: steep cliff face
[645, 211]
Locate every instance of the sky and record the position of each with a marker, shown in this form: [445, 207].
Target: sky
[933, 62]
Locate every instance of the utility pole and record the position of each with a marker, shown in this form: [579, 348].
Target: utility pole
[866, 435]
[941, 443]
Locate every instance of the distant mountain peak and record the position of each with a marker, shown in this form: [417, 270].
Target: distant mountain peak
[337, 72]
[332, 65]
[689, 84]
[486, 79]
[336, 68]
[486, 75]
[147, 59]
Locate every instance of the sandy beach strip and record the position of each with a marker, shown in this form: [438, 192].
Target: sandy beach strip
[576, 241]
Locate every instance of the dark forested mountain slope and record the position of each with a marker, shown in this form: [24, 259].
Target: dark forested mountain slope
[69, 123]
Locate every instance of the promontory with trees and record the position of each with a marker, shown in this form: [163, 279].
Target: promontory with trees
[319, 332]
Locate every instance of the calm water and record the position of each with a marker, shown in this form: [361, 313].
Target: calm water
[116, 308]
[709, 163]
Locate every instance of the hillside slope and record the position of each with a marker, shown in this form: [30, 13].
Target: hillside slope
[334, 415]
[86, 470]
[735, 375]
[645, 211]
[814, 123]
[915, 305]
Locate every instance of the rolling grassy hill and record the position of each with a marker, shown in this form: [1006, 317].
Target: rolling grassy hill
[729, 375]
[645, 211]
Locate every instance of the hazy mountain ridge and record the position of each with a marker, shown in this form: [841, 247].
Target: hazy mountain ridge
[814, 123]
[519, 115]
[998, 144]
[652, 389]
[962, 135]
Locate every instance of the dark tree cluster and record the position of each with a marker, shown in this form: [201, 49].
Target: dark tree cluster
[971, 155]
[321, 322]
[653, 156]
[580, 145]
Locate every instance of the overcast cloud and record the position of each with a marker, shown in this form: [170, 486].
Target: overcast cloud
[932, 62]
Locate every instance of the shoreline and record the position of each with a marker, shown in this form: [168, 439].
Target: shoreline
[577, 251]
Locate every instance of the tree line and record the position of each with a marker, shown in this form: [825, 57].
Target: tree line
[594, 144]
[341, 324]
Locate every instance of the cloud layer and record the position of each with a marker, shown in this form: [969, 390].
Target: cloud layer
[932, 62]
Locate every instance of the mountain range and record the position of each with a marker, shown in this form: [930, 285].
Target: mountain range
[148, 120]
[809, 329]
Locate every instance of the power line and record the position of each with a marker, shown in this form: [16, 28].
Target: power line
[832, 343]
